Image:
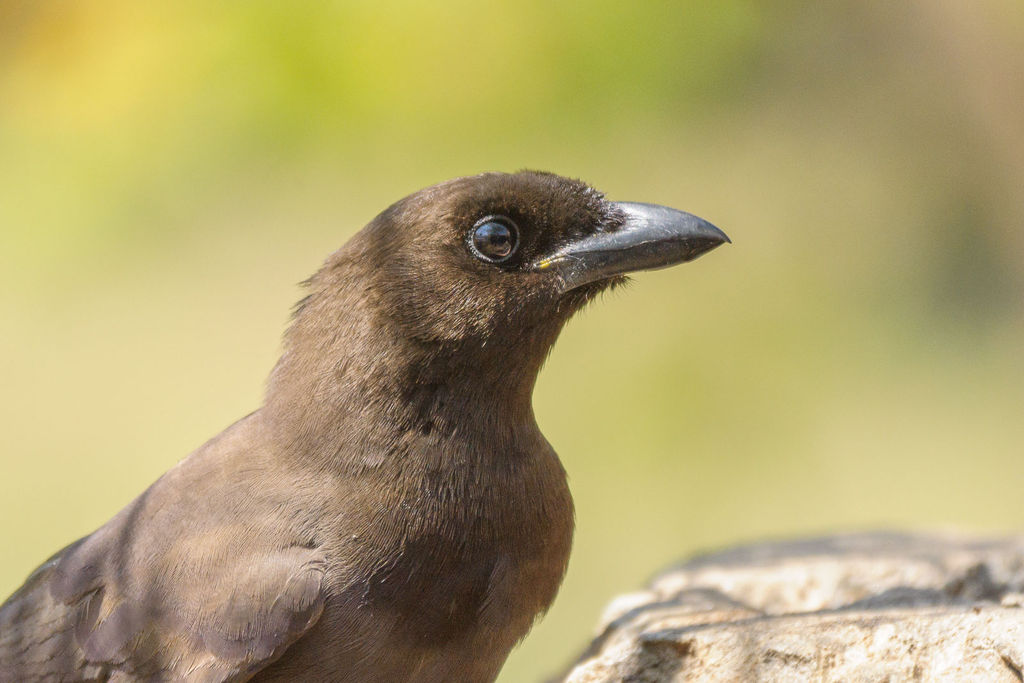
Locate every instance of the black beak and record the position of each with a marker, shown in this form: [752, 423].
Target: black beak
[651, 237]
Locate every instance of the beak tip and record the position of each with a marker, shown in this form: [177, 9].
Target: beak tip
[709, 237]
[714, 233]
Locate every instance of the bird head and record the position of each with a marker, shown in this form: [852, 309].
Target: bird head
[494, 259]
[476, 276]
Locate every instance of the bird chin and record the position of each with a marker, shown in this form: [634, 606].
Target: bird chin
[581, 296]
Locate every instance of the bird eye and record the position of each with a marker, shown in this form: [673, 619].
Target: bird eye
[494, 239]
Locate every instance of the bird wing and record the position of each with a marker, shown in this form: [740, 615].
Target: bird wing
[127, 604]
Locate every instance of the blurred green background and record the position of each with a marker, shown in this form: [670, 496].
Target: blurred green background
[169, 171]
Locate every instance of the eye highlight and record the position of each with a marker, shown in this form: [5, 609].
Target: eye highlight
[494, 239]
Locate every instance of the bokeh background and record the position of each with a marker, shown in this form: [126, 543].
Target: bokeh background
[170, 171]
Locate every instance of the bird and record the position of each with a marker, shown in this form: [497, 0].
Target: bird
[391, 512]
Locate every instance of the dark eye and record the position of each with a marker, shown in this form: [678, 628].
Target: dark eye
[494, 239]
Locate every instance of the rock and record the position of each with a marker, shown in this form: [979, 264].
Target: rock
[865, 607]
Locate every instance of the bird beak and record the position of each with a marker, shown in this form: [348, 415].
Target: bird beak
[651, 237]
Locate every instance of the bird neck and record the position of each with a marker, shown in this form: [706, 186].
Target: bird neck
[348, 392]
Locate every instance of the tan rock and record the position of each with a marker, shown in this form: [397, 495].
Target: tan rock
[866, 607]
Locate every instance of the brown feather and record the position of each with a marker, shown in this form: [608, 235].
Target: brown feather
[391, 513]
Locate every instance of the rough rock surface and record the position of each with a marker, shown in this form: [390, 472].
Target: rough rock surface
[866, 607]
